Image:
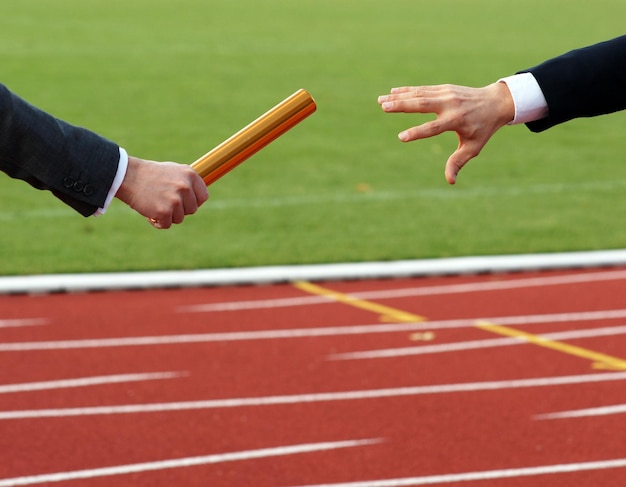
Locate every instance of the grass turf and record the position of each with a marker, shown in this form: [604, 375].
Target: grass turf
[170, 80]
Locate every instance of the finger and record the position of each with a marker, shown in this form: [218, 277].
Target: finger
[405, 95]
[395, 92]
[195, 196]
[453, 166]
[421, 103]
[396, 96]
[163, 225]
[178, 213]
[155, 223]
[420, 89]
[200, 190]
[165, 218]
[457, 161]
[402, 90]
[424, 131]
[190, 203]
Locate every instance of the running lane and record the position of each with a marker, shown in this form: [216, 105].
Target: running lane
[509, 379]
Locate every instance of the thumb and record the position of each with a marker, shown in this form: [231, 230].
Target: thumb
[454, 165]
[457, 160]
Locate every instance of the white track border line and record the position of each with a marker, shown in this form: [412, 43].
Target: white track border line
[313, 397]
[88, 381]
[508, 473]
[185, 462]
[322, 272]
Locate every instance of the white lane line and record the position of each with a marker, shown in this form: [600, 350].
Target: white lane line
[256, 304]
[19, 322]
[484, 475]
[88, 381]
[199, 338]
[582, 278]
[581, 413]
[307, 332]
[610, 314]
[476, 344]
[185, 462]
[316, 397]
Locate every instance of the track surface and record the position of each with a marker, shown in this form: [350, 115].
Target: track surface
[494, 380]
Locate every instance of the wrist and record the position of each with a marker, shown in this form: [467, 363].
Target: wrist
[125, 190]
[528, 99]
[503, 102]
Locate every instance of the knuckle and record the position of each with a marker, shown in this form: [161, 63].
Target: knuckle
[435, 127]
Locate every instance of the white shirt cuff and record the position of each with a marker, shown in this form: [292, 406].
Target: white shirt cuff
[530, 104]
[122, 166]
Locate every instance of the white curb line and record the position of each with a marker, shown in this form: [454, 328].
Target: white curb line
[321, 272]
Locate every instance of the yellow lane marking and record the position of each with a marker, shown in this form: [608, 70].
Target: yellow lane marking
[600, 360]
[386, 313]
[425, 336]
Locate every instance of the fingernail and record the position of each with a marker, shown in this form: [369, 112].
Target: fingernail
[403, 136]
[382, 98]
[387, 105]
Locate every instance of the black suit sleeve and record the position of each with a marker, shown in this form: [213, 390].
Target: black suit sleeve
[75, 164]
[583, 83]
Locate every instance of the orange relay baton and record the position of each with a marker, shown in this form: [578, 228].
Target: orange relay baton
[252, 138]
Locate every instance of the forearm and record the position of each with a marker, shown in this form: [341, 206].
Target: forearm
[583, 83]
[75, 164]
[120, 175]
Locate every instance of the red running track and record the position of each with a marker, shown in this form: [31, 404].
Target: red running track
[386, 383]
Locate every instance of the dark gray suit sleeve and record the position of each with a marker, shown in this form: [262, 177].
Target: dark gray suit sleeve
[582, 83]
[75, 164]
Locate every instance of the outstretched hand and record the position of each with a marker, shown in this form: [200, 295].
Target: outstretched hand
[475, 114]
[163, 192]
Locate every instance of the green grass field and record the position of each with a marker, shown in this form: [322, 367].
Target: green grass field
[170, 80]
